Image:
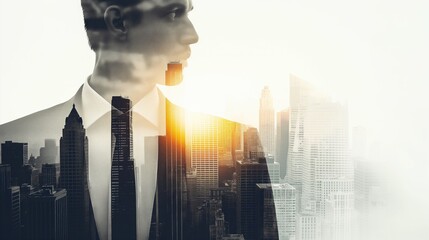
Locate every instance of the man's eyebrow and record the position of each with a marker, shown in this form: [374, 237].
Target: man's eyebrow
[172, 6]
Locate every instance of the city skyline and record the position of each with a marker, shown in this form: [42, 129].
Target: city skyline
[323, 193]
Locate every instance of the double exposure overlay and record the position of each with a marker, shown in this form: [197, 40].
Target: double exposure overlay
[291, 121]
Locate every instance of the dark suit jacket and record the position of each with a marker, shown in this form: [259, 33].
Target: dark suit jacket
[172, 213]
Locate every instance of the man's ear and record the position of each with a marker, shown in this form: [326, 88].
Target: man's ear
[115, 22]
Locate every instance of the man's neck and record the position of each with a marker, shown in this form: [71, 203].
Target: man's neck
[124, 74]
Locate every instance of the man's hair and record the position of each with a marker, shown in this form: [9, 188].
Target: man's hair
[93, 14]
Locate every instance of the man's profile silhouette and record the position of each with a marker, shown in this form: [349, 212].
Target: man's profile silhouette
[134, 40]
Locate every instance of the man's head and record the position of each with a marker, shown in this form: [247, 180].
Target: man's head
[153, 28]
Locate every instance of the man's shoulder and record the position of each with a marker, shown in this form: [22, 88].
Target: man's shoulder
[34, 128]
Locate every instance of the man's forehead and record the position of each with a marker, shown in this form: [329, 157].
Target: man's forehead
[151, 4]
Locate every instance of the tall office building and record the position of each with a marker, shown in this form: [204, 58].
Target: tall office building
[16, 155]
[266, 216]
[228, 141]
[327, 167]
[49, 153]
[47, 215]
[204, 153]
[237, 143]
[282, 140]
[282, 220]
[48, 176]
[171, 215]
[74, 175]
[308, 227]
[229, 208]
[338, 216]
[301, 93]
[191, 186]
[370, 195]
[319, 163]
[28, 175]
[10, 211]
[5, 177]
[274, 171]
[266, 121]
[123, 194]
[25, 191]
[252, 146]
[249, 173]
[217, 230]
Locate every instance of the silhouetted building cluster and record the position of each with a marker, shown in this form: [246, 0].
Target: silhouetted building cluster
[46, 216]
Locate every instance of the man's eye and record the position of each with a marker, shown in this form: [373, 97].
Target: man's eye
[175, 13]
[172, 15]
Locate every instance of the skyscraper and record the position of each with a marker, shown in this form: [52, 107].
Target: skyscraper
[282, 140]
[28, 175]
[338, 216]
[266, 219]
[249, 173]
[266, 121]
[123, 194]
[229, 208]
[16, 155]
[74, 175]
[5, 178]
[204, 153]
[301, 92]
[252, 147]
[170, 206]
[228, 141]
[327, 167]
[47, 214]
[48, 176]
[284, 198]
[10, 211]
[308, 227]
[25, 191]
[370, 194]
[49, 153]
[319, 163]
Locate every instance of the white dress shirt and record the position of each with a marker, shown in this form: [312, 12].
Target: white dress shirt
[148, 123]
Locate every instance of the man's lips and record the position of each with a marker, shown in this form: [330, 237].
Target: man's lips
[182, 55]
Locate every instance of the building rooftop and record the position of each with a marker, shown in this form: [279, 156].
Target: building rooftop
[48, 191]
[275, 186]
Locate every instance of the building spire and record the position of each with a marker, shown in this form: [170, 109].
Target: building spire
[74, 116]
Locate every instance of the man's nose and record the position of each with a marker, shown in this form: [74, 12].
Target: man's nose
[189, 34]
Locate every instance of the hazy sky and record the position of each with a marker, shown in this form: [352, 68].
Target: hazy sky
[371, 53]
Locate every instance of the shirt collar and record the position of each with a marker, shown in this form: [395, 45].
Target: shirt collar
[93, 106]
